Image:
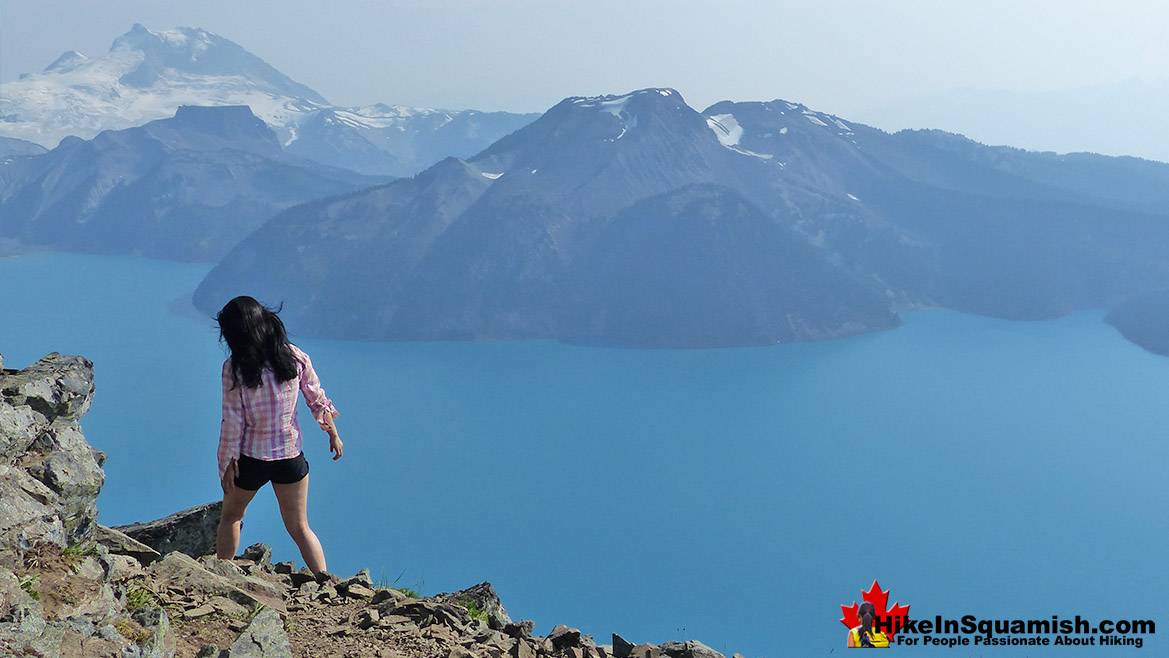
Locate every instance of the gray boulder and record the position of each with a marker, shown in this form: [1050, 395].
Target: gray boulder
[263, 638]
[156, 622]
[563, 637]
[28, 516]
[19, 427]
[622, 648]
[56, 386]
[481, 597]
[521, 629]
[118, 543]
[192, 531]
[64, 462]
[181, 572]
[261, 554]
[696, 649]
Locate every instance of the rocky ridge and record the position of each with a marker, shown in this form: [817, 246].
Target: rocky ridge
[71, 587]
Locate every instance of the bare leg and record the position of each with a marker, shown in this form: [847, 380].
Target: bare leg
[234, 506]
[293, 499]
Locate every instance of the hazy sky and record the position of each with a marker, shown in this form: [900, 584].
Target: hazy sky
[849, 57]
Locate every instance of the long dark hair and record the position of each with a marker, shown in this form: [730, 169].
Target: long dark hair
[866, 612]
[257, 340]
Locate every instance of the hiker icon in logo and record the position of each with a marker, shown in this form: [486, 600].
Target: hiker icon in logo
[863, 636]
[872, 624]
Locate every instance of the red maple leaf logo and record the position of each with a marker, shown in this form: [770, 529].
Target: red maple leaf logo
[899, 614]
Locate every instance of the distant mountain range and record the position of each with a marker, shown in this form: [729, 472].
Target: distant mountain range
[10, 146]
[148, 75]
[186, 188]
[637, 220]
[625, 220]
[1120, 118]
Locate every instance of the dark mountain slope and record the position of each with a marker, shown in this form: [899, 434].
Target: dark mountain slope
[701, 266]
[1010, 233]
[186, 188]
[505, 244]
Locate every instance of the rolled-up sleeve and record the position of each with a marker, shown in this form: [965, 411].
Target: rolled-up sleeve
[231, 430]
[310, 386]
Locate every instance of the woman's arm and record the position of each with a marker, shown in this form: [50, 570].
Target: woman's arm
[231, 429]
[320, 405]
[310, 385]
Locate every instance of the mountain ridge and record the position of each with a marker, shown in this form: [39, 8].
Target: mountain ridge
[147, 75]
[185, 188]
[901, 221]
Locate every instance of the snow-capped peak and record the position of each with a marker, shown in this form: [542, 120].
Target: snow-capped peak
[614, 104]
[68, 61]
[627, 106]
[149, 75]
[145, 76]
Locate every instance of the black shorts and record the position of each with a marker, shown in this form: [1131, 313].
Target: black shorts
[255, 473]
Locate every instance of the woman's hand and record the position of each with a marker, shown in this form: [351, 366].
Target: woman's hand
[335, 444]
[229, 476]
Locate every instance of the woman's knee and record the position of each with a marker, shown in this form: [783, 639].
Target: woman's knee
[233, 510]
[229, 517]
[298, 531]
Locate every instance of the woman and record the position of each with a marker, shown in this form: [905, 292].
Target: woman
[864, 635]
[259, 440]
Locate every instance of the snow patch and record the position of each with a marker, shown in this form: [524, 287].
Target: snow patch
[783, 130]
[853, 197]
[614, 105]
[490, 175]
[729, 132]
[816, 120]
[761, 156]
[726, 128]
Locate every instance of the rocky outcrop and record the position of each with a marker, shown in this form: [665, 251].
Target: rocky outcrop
[49, 475]
[191, 531]
[60, 597]
[483, 599]
[120, 544]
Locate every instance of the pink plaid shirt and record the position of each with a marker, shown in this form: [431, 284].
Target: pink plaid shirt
[261, 422]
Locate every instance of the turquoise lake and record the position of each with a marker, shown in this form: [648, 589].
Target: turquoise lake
[736, 496]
